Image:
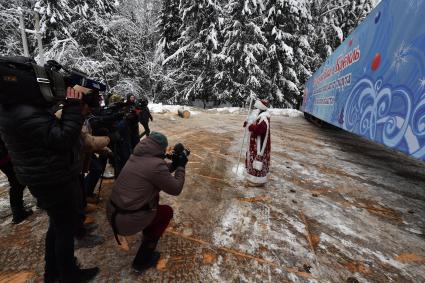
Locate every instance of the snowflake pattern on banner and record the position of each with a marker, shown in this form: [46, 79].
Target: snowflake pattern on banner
[415, 5]
[400, 57]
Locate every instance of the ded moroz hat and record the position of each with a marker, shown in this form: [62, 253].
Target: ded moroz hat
[262, 104]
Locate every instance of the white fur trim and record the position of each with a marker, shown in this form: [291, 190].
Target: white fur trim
[257, 180]
[264, 115]
[259, 105]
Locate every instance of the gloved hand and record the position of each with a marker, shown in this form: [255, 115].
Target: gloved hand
[151, 119]
[182, 161]
[245, 123]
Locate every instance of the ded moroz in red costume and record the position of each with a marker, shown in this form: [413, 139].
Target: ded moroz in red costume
[258, 155]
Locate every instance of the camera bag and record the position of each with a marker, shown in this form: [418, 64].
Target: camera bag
[22, 80]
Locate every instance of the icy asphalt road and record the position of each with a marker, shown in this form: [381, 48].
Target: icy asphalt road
[337, 209]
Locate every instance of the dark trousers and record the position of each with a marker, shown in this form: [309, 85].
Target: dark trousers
[97, 167]
[16, 191]
[160, 223]
[146, 127]
[80, 204]
[121, 156]
[60, 204]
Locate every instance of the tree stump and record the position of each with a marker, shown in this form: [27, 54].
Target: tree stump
[184, 113]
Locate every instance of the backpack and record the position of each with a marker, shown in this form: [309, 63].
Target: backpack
[18, 82]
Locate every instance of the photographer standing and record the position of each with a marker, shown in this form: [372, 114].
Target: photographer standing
[134, 202]
[145, 115]
[45, 153]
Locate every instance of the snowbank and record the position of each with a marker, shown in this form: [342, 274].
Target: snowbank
[227, 110]
[292, 113]
[161, 108]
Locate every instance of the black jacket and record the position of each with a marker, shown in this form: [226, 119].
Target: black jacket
[144, 115]
[44, 149]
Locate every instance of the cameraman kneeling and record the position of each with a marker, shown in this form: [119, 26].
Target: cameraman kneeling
[134, 202]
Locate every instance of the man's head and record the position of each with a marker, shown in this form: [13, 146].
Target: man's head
[143, 101]
[160, 139]
[131, 98]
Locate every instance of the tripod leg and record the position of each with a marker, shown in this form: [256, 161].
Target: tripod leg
[100, 186]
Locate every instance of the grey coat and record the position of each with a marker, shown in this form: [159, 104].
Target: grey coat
[141, 180]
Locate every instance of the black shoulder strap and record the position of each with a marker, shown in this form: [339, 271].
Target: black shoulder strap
[44, 82]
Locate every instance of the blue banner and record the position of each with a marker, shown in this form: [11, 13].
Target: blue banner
[373, 85]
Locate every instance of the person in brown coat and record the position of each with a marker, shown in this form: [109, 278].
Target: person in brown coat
[134, 202]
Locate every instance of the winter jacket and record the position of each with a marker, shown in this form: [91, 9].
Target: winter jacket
[44, 149]
[143, 177]
[144, 115]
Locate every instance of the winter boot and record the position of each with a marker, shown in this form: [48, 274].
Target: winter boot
[51, 275]
[88, 274]
[21, 215]
[146, 256]
[81, 276]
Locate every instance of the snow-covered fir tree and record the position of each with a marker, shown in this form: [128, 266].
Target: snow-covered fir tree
[333, 21]
[169, 28]
[353, 14]
[288, 62]
[198, 44]
[241, 62]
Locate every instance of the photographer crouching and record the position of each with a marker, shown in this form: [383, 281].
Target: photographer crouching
[134, 202]
[46, 152]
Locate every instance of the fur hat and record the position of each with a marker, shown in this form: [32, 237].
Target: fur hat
[160, 139]
[262, 104]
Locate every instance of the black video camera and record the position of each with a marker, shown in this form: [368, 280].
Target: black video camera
[178, 151]
[23, 81]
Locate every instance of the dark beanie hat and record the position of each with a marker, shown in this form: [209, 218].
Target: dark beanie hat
[160, 139]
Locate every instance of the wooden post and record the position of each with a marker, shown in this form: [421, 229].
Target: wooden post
[23, 34]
